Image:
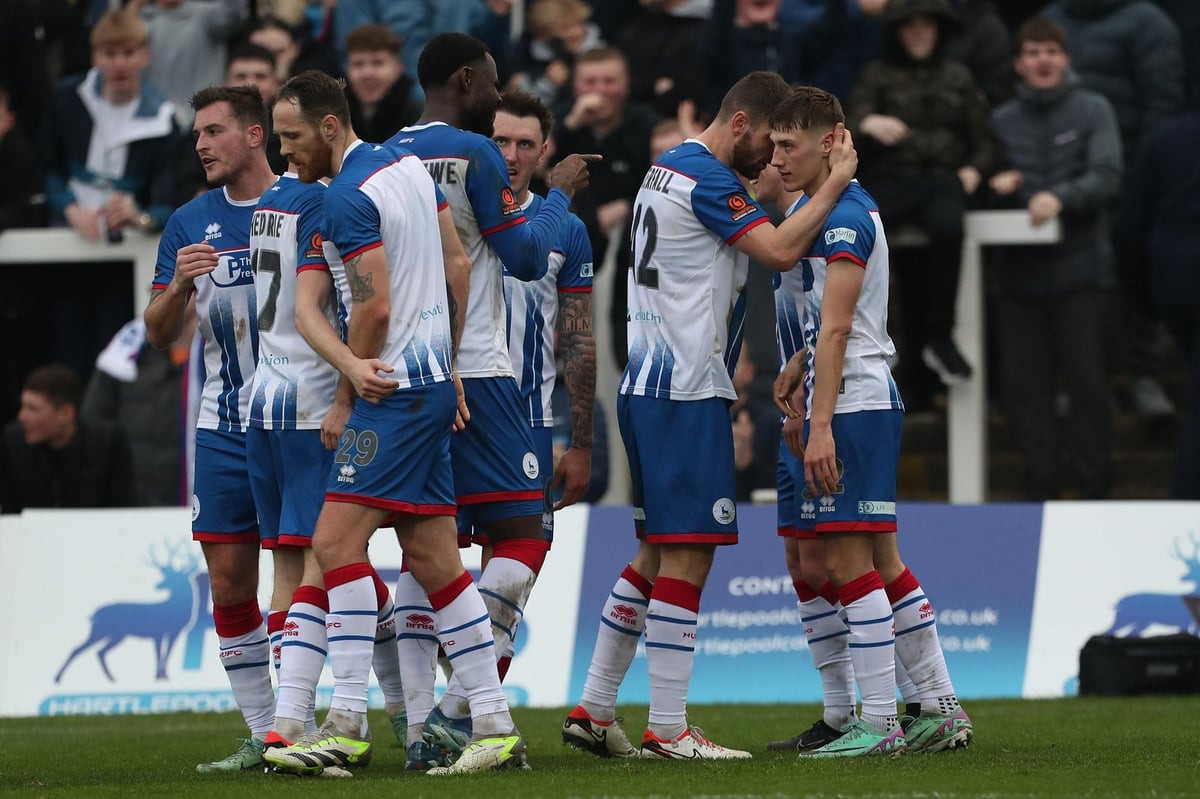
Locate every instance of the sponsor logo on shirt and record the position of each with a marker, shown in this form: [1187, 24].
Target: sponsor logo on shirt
[740, 206]
[845, 234]
[508, 202]
[213, 231]
[586, 270]
[316, 247]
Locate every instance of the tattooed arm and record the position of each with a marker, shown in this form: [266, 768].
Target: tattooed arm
[579, 372]
[367, 277]
[164, 316]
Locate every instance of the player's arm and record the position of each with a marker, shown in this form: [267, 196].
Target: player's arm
[578, 344]
[523, 245]
[843, 283]
[458, 273]
[313, 290]
[179, 264]
[779, 248]
[367, 277]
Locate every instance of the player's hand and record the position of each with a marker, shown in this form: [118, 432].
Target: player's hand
[820, 460]
[571, 174]
[843, 158]
[363, 374]
[462, 416]
[793, 436]
[192, 262]
[334, 424]
[788, 389]
[888, 130]
[85, 221]
[573, 472]
[1043, 207]
[1006, 182]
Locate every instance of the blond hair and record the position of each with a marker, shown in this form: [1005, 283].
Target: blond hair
[119, 28]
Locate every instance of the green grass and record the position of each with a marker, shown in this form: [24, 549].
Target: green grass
[1052, 748]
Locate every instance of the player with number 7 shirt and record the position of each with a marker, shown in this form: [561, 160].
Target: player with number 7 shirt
[695, 227]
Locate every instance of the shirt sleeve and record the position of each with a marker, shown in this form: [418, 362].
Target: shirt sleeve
[173, 239]
[309, 254]
[724, 206]
[848, 233]
[351, 222]
[489, 190]
[576, 273]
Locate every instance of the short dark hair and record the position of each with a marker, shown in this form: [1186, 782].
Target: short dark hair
[245, 101]
[446, 54]
[524, 104]
[249, 51]
[807, 108]
[56, 383]
[317, 95]
[372, 37]
[1040, 29]
[755, 95]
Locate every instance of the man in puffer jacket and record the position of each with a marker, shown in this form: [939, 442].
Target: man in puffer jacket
[1051, 302]
[921, 126]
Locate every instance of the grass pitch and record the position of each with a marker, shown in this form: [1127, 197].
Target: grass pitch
[1052, 748]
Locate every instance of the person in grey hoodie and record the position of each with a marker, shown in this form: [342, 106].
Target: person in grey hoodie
[1064, 150]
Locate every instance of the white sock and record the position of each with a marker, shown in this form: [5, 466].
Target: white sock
[904, 683]
[416, 636]
[275, 622]
[353, 613]
[918, 648]
[246, 658]
[302, 655]
[621, 625]
[385, 660]
[505, 585]
[828, 643]
[670, 653]
[872, 648]
[465, 632]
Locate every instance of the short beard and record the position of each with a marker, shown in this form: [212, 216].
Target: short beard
[743, 163]
[480, 120]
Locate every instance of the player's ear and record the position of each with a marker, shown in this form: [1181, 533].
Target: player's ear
[740, 122]
[329, 127]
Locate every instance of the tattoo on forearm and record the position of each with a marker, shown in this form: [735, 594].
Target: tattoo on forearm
[362, 287]
[452, 307]
[579, 363]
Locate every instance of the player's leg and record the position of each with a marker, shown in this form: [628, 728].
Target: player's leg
[465, 633]
[416, 634]
[225, 522]
[593, 724]
[688, 511]
[820, 612]
[864, 507]
[941, 723]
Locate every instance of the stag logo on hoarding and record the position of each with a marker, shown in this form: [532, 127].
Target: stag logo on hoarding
[161, 622]
[1136, 613]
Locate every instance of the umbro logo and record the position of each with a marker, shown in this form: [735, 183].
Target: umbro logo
[213, 231]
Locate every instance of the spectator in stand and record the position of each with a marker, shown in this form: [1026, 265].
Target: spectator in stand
[412, 20]
[748, 35]
[1186, 15]
[142, 391]
[603, 120]
[1130, 52]
[379, 92]
[854, 47]
[20, 203]
[556, 32]
[1064, 152]
[1160, 229]
[984, 46]
[922, 128]
[108, 146]
[188, 41]
[662, 50]
[53, 459]
[281, 41]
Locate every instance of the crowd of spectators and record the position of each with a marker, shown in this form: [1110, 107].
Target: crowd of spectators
[94, 134]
